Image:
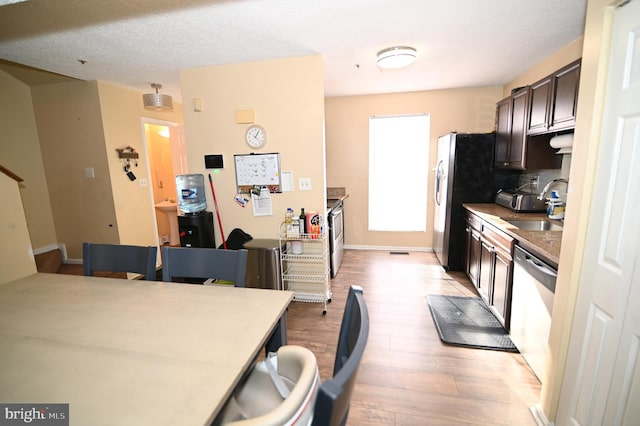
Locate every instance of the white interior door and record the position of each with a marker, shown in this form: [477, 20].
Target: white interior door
[602, 379]
[179, 150]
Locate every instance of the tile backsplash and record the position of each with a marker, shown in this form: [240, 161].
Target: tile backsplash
[547, 175]
[512, 179]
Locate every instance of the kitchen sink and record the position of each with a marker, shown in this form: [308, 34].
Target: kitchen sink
[535, 225]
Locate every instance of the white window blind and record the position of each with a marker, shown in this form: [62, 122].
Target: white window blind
[398, 172]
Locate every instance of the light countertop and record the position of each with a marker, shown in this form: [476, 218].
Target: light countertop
[130, 352]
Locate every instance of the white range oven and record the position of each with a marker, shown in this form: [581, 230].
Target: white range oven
[335, 215]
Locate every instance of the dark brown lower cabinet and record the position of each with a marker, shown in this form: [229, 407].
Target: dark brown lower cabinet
[502, 278]
[490, 265]
[485, 279]
[473, 247]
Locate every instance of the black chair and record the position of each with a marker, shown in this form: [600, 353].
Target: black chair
[119, 258]
[334, 395]
[204, 263]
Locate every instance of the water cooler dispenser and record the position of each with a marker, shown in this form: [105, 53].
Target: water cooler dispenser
[195, 225]
[196, 230]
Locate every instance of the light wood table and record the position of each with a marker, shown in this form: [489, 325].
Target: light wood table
[127, 352]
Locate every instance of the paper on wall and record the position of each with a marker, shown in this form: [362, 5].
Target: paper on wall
[262, 203]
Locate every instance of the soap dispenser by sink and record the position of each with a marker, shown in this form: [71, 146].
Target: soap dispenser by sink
[555, 206]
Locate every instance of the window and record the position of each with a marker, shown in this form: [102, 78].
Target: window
[398, 172]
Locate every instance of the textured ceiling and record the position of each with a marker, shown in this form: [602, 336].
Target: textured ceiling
[460, 43]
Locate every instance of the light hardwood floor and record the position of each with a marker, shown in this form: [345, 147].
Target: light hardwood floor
[408, 376]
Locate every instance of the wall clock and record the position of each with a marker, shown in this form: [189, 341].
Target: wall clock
[255, 136]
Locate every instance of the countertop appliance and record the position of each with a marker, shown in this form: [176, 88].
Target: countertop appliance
[534, 286]
[520, 201]
[464, 174]
[335, 215]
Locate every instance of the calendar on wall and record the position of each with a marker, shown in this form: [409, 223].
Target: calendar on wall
[258, 170]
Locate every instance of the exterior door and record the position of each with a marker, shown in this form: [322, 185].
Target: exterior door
[601, 385]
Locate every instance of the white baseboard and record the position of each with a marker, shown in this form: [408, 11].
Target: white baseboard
[388, 248]
[50, 247]
[538, 416]
[45, 249]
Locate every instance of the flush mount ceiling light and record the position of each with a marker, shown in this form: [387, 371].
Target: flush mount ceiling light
[156, 101]
[7, 2]
[396, 57]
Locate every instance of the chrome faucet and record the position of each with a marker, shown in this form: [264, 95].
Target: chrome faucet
[543, 194]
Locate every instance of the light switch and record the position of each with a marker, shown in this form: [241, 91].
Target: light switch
[89, 173]
[304, 184]
[143, 182]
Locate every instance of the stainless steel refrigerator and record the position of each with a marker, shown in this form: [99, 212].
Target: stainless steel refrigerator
[464, 174]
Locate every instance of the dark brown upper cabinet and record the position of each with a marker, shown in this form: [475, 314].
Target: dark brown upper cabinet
[554, 100]
[503, 132]
[511, 135]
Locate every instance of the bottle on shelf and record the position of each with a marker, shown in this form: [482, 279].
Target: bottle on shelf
[295, 227]
[303, 222]
[291, 224]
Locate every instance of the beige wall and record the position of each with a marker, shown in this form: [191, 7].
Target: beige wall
[122, 110]
[288, 99]
[347, 125]
[15, 244]
[80, 125]
[562, 57]
[71, 138]
[20, 152]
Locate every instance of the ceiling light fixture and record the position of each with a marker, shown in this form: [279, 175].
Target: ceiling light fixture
[8, 2]
[156, 101]
[396, 57]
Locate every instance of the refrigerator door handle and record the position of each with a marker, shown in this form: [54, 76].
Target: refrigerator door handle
[439, 175]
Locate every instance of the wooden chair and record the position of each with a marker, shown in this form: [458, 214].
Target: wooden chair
[204, 263]
[334, 395]
[119, 258]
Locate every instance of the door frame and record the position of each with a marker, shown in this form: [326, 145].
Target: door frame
[143, 122]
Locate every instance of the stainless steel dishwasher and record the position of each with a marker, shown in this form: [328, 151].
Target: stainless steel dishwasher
[534, 285]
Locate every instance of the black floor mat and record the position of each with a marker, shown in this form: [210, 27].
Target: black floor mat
[467, 321]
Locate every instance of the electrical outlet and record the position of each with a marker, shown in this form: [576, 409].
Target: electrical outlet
[534, 182]
[304, 184]
[143, 182]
